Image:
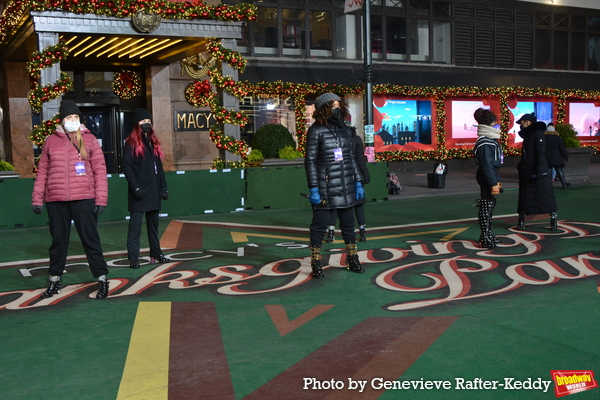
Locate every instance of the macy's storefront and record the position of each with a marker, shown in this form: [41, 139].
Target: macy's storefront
[114, 65]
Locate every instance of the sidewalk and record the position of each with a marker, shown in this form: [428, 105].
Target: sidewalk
[414, 185]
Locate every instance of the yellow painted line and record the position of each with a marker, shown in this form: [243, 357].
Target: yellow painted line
[245, 237]
[146, 374]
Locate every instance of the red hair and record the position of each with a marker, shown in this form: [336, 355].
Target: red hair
[137, 144]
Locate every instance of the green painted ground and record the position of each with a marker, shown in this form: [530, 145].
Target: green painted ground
[76, 348]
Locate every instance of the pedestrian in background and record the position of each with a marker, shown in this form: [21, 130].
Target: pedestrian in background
[359, 209]
[71, 180]
[536, 194]
[556, 154]
[147, 187]
[333, 178]
[489, 158]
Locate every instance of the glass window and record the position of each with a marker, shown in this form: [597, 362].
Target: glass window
[594, 53]
[347, 37]
[419, 40]
[442, 42]
[98, 83]
[293, 32]
[320, 4]
[396, 38]
[376, 37]
[442, 9]
[267, 110]
[542, 48]
[290, 3]
[243, 44]
[578, 46]
[561, 50]
[394, 3]
[419, 7]
[320, 34]
[265, 31]
[561, 21]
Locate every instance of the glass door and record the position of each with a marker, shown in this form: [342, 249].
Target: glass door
[102, 122]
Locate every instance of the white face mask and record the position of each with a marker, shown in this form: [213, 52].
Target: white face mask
[71, 126]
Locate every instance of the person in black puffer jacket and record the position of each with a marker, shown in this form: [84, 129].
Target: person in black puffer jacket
[359, 209]
[333, 178]
[489, 158]
[536, 194]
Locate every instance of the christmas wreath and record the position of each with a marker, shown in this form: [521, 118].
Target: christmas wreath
[126, 84]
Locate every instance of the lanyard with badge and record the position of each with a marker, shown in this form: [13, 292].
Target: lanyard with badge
[337, 151]
[79, 165]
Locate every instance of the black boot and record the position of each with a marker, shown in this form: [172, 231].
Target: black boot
[484, 218]
[362, 233]
[492, 206]
[554, 221]
[102, 287]
[160, 259]
[134, 264]
[521, 223]
[352, 262]
[315, 263]
[54, 287]
[330, 234]
[561, 177]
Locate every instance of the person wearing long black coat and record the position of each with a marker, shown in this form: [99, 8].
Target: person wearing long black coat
[556, 154]
[536, 194]
[147, 187]
[333, 178]
[359, 209]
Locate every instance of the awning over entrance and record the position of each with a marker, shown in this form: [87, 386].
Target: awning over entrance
[109, 40]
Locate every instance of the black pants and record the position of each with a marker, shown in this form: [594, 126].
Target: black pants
[359, 212]
[60, 214]
[135, 231]
[321, 220]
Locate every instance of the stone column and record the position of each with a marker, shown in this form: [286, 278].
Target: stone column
[49, 75]
[159, 105]
[19, 123]
[230, 102]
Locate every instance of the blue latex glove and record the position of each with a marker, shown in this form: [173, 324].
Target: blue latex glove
[360, 191]
[315, 197]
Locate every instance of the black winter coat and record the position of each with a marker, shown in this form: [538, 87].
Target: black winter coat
[359, 151]
[556, 153]
[536, 195]
[335, 179]
[489, 157]
[140, 172]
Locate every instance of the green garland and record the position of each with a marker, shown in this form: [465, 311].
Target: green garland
[15, 10]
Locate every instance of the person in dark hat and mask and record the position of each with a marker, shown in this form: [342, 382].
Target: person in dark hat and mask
[143, 169]
[71, 180]
[333, 177]
[536, 194]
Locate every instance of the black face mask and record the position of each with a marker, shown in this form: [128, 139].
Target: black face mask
[336, 113]
[146, 127]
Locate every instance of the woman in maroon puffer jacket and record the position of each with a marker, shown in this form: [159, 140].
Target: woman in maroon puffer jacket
[71, 180]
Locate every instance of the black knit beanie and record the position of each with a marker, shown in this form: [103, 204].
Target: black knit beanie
[140, 114]
[68, 107]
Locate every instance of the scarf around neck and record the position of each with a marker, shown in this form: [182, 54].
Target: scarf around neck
[488, 131]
